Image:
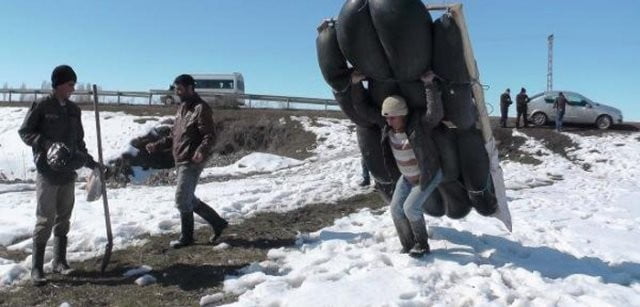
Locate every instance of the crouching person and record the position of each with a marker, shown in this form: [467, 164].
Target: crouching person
[411, 143]
[191, 139]
[53, 129]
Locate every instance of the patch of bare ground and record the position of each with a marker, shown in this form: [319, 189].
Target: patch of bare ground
[183, 275]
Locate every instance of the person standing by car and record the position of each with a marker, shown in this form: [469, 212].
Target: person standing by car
[505, 102]
[560, 104]
[53, 129]
[521, 107]
[192, 138]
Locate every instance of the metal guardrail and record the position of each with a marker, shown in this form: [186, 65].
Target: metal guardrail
[248, 100]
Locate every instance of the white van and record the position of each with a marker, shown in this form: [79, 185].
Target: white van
[208, 85]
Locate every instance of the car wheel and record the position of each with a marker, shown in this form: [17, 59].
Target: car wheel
[168, 101]
[539, 119]
[604, 122]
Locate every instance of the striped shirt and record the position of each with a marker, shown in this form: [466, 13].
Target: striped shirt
[404, 155]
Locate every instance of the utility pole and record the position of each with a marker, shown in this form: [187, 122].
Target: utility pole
[550, 64]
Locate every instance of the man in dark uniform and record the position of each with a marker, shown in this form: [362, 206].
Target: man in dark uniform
[192, 138]
[521, 107]
[53, 129]
[505, 102]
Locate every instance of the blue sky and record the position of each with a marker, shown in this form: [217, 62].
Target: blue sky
[139, 45]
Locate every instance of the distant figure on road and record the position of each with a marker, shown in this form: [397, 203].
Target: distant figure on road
[191, 139]
[560, 105]
[53, 129]
[521, 107]
[505, 102]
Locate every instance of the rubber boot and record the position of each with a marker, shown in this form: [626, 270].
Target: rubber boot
[37, 263]
[60, 264]
[421, 247]
[218, 224]
[403, 228]
[365, 182]
[186, 234]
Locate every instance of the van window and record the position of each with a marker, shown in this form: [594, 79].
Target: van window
[241, 86]
[214, 84]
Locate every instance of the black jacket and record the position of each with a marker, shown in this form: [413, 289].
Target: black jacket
[505, 100]
[560, 103]
[521, 101]
[48, 122]
[420, 131]
[193, 131]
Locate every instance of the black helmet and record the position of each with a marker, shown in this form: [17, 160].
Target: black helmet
[59, 156]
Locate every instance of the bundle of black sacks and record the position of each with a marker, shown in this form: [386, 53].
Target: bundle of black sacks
[393, 42]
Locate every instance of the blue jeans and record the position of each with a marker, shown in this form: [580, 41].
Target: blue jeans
[188, 175]
[407, 199]
[559, 117]
[406, 211]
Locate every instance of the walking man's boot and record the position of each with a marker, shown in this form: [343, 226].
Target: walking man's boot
[60, 264]
[37, 263]
[218, 224]
[186, 234]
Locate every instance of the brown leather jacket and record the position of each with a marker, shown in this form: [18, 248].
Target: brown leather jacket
[193, 131]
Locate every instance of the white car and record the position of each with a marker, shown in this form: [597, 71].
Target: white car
[579, 110]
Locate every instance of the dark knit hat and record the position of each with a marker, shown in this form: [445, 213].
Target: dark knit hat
[185, 80]
[62, 74]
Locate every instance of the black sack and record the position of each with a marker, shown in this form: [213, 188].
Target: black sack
[434, 206]
[449, 64]
[333, 64]
[383, 168]
[475, 169]
[448, 52]
[359, 42]
[404, 30]
[380, 90]
[456, 202]
[459, 107]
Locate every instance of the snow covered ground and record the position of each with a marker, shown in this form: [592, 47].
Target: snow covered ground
[575, 238]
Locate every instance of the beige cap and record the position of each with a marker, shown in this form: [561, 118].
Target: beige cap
[394, 106]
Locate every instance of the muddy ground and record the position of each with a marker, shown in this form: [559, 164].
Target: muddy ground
[185, 275]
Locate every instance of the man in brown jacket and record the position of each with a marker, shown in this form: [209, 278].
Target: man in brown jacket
[192, 138]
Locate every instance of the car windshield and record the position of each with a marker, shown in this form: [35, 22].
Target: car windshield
[575, 99]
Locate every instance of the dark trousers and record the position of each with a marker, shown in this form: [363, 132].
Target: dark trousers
[522, 112]
[187, 181]
[365, 171]
[559, 117]
[504, 112]
[53, 212]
